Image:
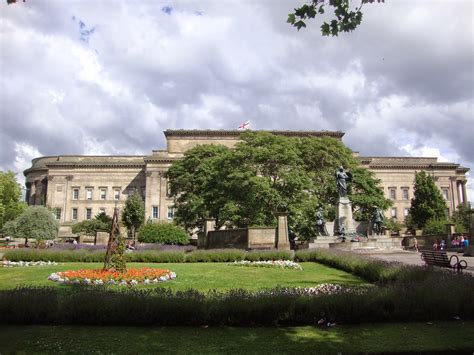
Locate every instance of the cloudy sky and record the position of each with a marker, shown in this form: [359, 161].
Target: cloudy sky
[107, 77]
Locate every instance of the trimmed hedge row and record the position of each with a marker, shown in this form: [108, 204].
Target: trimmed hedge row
[150, 256]
[397, 302]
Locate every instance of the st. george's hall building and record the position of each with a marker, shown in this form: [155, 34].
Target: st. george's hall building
[77, 187]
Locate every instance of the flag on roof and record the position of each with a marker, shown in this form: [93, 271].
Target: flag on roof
[245, 125]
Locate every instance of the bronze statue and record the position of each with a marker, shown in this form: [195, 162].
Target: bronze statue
[320, 223]
[377, 221]
[342, 177]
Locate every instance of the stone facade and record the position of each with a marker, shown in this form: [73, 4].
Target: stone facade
[79, 187]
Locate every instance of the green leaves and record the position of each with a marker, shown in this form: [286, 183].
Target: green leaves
[427, 203]
[345, 18]
[133, 214]
[245, 185]
[35, 222]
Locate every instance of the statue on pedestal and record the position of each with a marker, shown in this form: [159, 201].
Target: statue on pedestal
[377, 221]
[320, 223]
[342, 177]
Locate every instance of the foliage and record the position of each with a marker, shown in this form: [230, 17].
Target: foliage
[461, 218]
[90, 227]
[134, 213]
[36, 222]
[164, 233]
[10, 194]
[392, 224]
[265, 173]
[435, 227]
[104, 218]
[427, 203]
[401, 301]
[345, 19]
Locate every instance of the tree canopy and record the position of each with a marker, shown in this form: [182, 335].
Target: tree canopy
[345, 18]
[10, 194]
[427, 203]
[35, 222]
[264, 173]
[133, 214]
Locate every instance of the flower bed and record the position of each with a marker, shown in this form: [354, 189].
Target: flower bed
[282, 264]
[8, 263]
[131, 277]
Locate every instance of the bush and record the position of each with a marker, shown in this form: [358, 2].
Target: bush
[90, 227]
[156, 256]
[263, 255]
[215, 256]
[435, 227]
[164, 233]
[400, 301]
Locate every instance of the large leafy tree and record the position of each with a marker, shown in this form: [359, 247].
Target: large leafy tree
[35, 222]
[133, 214]
[264, 173]
[10, 194]
[427, 203]
[344, 17]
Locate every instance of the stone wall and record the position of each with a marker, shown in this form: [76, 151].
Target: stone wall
[241, 238]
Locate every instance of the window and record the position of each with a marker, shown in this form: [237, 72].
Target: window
[74, 214]
[405, 194]
[406, 212]
[58, 213]
[393, 194]
[89, 194]
[103, 193]
[88, 213]
[75, 193]
[446, 194]
[394, 212]
[116, 194]
[155, 212]
[170, 212]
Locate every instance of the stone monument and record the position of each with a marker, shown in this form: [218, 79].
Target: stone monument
[344, 222]
[282, 241]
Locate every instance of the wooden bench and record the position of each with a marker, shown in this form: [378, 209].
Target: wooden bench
[440, 258]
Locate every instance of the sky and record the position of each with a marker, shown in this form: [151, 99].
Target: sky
[108, 77]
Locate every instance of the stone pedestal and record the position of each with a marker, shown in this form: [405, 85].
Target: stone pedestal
[450, 230]
[282, 241]
[344, 216]
[209, 226]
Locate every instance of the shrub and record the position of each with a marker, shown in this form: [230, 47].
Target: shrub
[263, 255]
[217, 255]
[156, 256]
[90, 227]
[435, 227]
[164, 233]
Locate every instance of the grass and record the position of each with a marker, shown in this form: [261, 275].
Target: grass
[453, 337]
[199, 276]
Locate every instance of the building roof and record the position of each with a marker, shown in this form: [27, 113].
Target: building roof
[236, 133]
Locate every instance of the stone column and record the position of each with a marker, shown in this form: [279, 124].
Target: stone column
[282, 241]
[209, 226]
[344, 215]
[464, 193]
[449, 232]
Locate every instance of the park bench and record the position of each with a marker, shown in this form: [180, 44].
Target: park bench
[440, 258]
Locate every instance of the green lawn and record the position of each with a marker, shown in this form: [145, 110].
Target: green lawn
[454, 337]
[200, 276]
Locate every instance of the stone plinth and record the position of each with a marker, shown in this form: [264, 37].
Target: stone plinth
[102, 238]
[282, 241]
[344, 216]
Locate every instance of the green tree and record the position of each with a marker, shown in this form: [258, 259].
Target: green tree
[345, 18]
[264, 173]
[90, 227]
[461, 218]
[134, 213]
[10, 194]
[427, 203]
[163, 233]
[36, 222]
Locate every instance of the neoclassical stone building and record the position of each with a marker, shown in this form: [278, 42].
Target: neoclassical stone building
[78, 187]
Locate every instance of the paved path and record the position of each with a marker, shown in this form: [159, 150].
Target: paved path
[410, 257]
